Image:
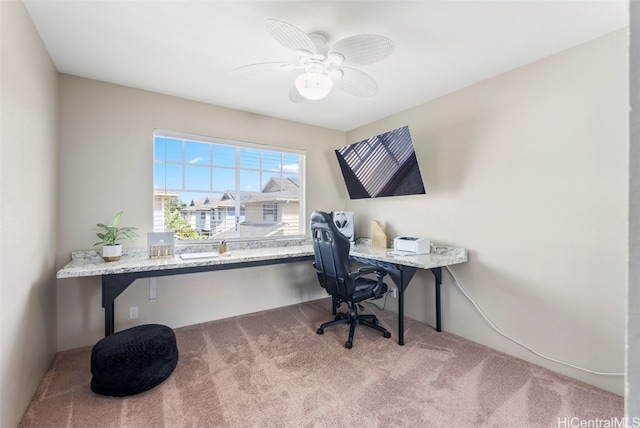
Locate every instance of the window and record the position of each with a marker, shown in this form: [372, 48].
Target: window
[211, 188]
[270, 212]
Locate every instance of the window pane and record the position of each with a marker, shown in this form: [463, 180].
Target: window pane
[224, 155]
[159, 152]
[224, 179]
[207, 188]
[291, 163]
[159, 173]
[249, 181]
[266, 181]
[173, 150]
[197, 153]
[197, 178]
[249, 158]
[293, 178]
[271, 161]
[173, 179]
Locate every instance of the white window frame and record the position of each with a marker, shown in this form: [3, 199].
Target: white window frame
[238, 145]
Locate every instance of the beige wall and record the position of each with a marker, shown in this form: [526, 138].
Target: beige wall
[529, 172]
[28, 210]
[106, 162]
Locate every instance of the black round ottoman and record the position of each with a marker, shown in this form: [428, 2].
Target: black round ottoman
[134, 360]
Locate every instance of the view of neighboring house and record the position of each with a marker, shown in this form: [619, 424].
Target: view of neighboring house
[275, 211]
[160, 200]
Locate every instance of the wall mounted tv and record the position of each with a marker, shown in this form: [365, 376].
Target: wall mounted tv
[384, 165]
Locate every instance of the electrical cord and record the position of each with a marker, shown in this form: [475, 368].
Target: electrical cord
[384, 303]
[484, 316]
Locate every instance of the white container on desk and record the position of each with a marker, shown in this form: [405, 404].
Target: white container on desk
[409, 245]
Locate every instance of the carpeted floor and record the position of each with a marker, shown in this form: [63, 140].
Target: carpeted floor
[271, 369]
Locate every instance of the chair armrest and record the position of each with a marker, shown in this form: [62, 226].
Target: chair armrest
[365, 270]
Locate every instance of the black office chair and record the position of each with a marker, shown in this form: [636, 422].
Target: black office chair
[331, 249]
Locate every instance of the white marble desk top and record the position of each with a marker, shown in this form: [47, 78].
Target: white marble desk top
[93, 266]
[439, 256]
[90, 263]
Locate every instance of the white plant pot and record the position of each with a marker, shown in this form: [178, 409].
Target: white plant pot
[111, 253]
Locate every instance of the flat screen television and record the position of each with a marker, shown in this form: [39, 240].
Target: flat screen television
[384, 165]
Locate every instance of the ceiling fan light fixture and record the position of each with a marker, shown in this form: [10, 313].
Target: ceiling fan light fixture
[313, 86]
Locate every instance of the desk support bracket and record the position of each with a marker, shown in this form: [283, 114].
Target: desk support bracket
[112, 287]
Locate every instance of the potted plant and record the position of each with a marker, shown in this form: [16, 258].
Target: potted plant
[109, 236]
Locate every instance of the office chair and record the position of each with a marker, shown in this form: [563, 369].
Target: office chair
[331, 250]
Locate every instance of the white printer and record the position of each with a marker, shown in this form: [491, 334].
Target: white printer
[407, 244]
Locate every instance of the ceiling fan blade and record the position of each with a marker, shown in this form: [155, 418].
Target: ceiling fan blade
[294, 95]
[289, 36]
[362, 49]
[356, 82]
[264, 67]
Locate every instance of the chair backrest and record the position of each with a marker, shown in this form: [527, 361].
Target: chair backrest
[331, 250]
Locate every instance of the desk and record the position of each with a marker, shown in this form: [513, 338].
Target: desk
[117, 276]
[402, 268]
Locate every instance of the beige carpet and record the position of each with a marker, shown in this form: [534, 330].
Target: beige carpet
[271, 369]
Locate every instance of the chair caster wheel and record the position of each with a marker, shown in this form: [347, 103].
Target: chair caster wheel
[320, 331]
[387, 335]
[349, 344]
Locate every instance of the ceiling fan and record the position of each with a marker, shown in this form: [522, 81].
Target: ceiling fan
[324, 66]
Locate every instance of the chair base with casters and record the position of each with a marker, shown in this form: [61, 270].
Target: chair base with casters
[353, 318]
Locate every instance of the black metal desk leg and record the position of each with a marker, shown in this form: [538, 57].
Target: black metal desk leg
[401, 276]
[109, 308]
[400, 316]
[437, 272]
[109, 325]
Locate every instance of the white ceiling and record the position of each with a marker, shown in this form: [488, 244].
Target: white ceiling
[189, 48]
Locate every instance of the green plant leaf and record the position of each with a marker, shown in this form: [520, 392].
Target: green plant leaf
[112, 233]
[116, 219]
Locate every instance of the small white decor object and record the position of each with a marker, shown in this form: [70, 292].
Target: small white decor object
[160, 244]
[112, 253]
